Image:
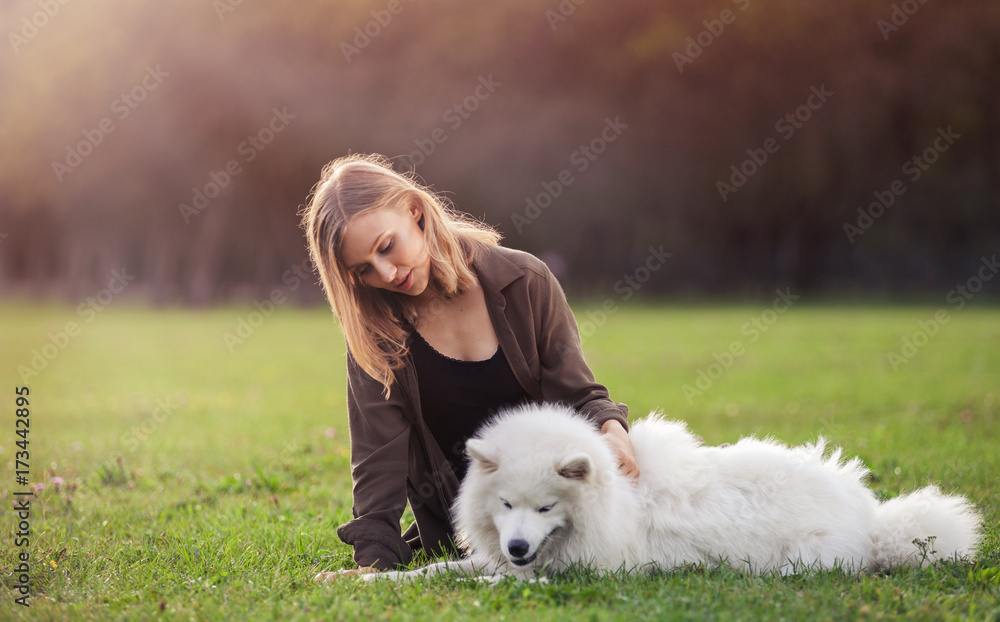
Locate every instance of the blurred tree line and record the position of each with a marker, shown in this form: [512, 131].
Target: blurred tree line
[754, 140]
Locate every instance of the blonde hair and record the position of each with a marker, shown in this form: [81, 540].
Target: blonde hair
[373, 319]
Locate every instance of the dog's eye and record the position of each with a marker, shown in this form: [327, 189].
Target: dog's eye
[505, 504]
[545, 508]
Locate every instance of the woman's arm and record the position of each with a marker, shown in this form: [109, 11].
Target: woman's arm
[326, 577]
[617, 437]
[566, 377]
[380, 435]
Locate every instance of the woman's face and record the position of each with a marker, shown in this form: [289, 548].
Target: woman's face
[385, 249]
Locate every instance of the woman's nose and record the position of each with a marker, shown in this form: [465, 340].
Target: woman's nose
[386, 271]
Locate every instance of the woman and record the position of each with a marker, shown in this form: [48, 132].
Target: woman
[444, 327]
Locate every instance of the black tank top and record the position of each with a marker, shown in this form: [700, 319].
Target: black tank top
[457, 397]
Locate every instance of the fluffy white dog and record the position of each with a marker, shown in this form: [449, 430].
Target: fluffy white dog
[543, 493]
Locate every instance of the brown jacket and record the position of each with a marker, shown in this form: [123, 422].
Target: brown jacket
[394, 457]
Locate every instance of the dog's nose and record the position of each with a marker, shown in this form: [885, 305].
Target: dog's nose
[518, 547]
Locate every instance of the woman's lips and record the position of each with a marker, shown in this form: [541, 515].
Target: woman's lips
[406, 282]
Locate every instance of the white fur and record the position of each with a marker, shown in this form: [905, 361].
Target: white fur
[757, 505]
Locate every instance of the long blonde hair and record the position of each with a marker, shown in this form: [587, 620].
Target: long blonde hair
[373, 319]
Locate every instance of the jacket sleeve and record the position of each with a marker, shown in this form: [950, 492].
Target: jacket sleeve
[565, 375]
[380, 435]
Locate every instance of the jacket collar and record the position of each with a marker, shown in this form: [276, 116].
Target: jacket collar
[495, 271]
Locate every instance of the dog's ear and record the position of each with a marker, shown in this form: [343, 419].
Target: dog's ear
[577, 466]
[476, 449]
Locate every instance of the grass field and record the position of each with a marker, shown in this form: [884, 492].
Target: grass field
[204, 481]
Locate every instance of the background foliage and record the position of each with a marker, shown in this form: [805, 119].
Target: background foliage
[563, 69]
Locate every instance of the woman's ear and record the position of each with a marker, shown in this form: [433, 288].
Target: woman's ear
[417, 212]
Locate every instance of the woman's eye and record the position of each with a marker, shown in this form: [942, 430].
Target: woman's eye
[385, 249]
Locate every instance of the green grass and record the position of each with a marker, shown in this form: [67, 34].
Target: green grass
[222, 501]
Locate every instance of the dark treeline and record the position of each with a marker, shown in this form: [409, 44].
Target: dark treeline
[848, 147]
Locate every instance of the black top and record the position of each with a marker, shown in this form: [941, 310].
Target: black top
[457, 397]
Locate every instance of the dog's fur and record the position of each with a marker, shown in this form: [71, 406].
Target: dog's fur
[543, 493]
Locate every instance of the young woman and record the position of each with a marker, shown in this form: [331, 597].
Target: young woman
[444, 327]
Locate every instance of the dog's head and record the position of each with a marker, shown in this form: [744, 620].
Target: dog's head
[528, 477]
[530, 510]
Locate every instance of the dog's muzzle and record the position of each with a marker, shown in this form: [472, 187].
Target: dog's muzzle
[524, 561]
[518, 551]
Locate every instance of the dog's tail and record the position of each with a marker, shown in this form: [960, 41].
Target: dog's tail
[923, 527]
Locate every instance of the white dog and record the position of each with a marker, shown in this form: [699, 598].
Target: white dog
[543, 493]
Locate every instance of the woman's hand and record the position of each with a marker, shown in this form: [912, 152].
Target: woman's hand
[326, 577]
[616, 436]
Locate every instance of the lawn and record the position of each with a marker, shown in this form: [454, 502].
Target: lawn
[185, 474]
